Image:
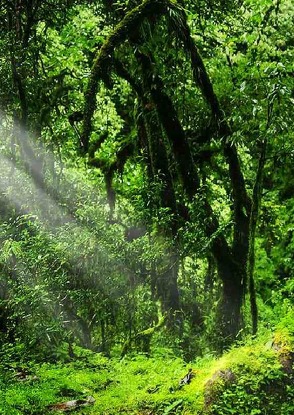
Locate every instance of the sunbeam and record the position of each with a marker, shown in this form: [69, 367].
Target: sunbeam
[78, 248]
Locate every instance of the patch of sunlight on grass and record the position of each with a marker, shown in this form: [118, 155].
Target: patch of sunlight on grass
[134, 385]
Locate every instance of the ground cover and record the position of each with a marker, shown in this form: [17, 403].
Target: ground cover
[253, 378]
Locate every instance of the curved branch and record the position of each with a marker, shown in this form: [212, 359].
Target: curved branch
[103, 63]
[242, 202]
[104, 58]
[172, 126]
[122, 72]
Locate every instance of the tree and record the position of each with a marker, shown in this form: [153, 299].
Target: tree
[167, 146]
[187, 115]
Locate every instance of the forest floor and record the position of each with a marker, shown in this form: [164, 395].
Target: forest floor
[253, 378]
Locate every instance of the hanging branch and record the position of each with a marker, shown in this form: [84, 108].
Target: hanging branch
[123, 73]
[102, 62]
[182, 31]
[160, 167]
[171, 123]
[202, 79]
[181, 149]
[242, 202]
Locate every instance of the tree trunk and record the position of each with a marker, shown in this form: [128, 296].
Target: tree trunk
[169, 286]
[232, 270]
[229, 317]
[168, 293]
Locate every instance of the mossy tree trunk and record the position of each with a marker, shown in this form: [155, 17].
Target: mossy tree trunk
[230, 257]
[256, 199]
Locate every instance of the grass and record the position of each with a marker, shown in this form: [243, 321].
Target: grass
[147, 386]
[130, 385]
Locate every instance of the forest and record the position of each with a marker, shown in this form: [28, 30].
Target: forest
[146, 207]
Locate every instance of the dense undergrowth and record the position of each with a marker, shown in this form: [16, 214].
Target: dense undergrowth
[252, 378]
[146, 207]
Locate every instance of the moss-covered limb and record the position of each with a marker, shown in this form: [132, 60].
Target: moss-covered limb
[153, 143]
[152, 330]
[159, 165]
[109, 170]
[241, 199]
[171, 124]
[102, 62]
[154, 150]
[143, 338]
[175, 133]
[95, 146]
[182, 31]
[124, 112]
[123, 73]
[155, 146]
[145, 130]
[182, 153]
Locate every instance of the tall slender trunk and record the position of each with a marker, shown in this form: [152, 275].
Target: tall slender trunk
[256, 199]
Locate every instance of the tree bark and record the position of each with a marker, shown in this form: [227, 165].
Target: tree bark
[229, 317]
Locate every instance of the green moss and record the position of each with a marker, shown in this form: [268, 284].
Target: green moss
[259, 385]
[246, 380]
[102, 62]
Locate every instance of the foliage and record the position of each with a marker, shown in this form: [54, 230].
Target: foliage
[136, 384]
[146, 205]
